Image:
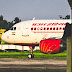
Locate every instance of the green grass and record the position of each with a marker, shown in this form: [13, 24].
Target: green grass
[37, 55]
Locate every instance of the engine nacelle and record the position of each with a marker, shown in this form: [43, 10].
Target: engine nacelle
[50, 46]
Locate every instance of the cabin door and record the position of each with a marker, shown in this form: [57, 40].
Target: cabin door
[25, 30]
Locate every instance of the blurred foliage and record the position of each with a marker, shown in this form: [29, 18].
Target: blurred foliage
[37, 55]
[17, 20]
[66, 17]
[70, 3]
[4, 24]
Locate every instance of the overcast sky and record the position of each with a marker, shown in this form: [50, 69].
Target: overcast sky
[40, 9]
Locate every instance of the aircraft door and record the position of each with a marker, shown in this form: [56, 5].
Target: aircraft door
[25, 30]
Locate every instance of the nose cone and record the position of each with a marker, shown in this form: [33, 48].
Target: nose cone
[3, 37]
[6, 37]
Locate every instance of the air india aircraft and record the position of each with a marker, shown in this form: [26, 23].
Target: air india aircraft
[44, 33]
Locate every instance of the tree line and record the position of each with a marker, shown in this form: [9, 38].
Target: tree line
[4, 24]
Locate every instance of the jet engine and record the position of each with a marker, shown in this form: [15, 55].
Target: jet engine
[51, 46]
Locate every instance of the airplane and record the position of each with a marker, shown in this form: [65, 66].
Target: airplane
[47, 34]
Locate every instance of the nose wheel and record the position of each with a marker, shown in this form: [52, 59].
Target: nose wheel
[31, 55]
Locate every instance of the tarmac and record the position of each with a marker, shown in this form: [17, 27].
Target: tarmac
[29, 65]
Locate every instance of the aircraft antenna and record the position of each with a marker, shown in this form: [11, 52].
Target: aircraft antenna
[34, 18]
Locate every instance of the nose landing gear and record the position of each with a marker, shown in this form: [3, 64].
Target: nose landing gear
[31, 55]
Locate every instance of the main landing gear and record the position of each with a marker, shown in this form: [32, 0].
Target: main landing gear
[31, 55]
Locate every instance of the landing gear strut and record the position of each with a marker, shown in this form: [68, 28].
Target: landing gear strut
[31, 55]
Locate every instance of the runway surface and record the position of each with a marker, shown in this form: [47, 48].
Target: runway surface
[22, 65]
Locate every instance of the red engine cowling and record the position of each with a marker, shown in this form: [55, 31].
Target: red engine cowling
[50, 46]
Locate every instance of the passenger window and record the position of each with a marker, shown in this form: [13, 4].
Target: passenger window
[60, 28]
[44, 28]
[34, 28]
[53, 28]
[50, 28]
[31, 28]
[47, 28]
[56, 28]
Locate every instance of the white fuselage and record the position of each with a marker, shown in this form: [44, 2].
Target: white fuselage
[33, 31]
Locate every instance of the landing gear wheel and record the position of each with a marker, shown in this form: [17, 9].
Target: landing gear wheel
[30, 56]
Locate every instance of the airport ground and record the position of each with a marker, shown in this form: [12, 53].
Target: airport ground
[19, 62]
[32, 65]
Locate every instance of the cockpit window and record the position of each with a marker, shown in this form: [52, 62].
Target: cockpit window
[13, 28]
